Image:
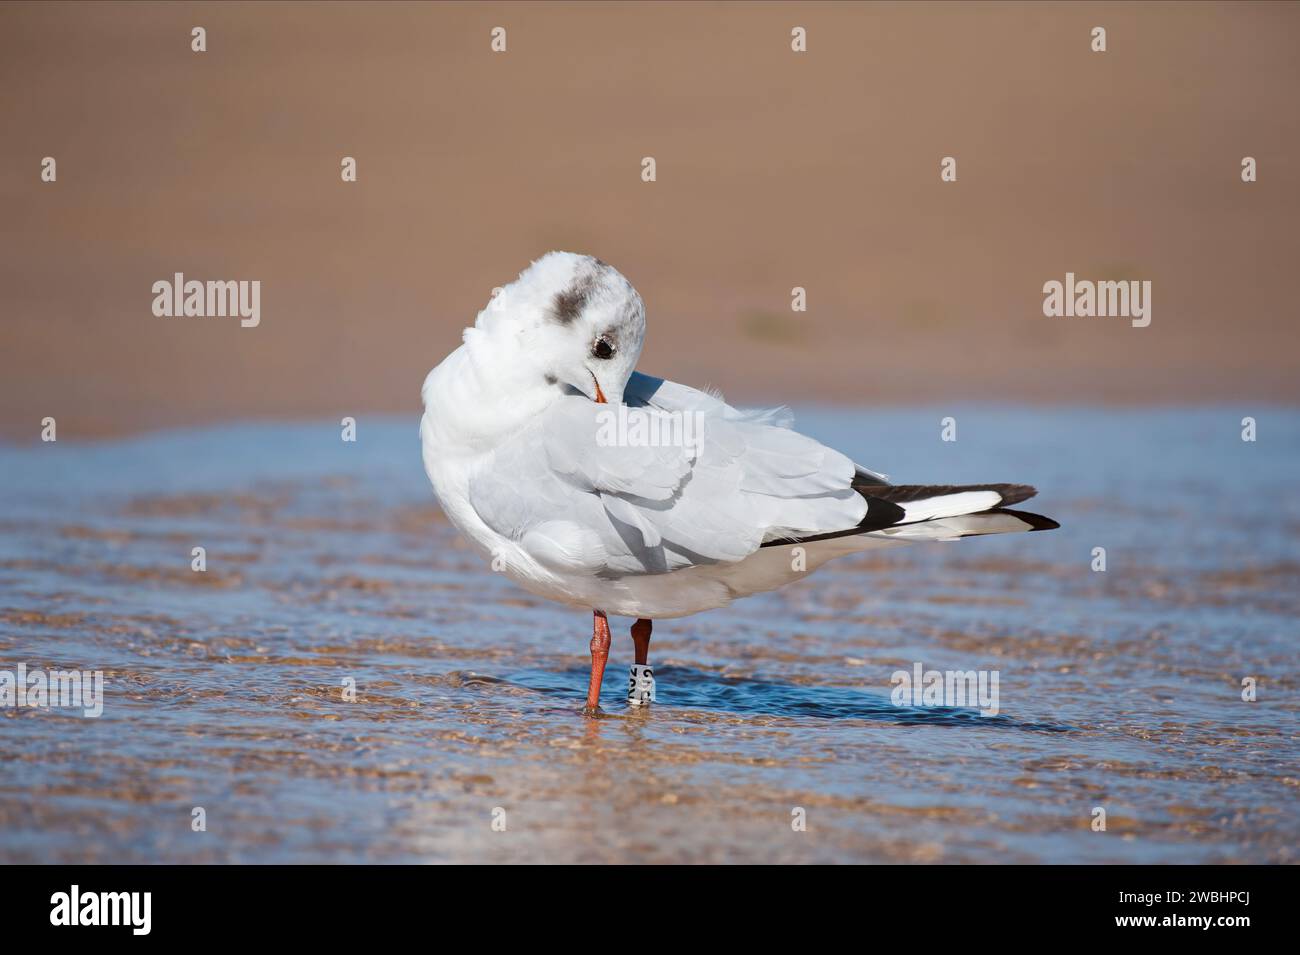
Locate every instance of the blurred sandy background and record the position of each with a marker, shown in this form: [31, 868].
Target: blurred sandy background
[774, 170]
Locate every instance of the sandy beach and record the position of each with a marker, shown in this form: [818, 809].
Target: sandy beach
[344, 680]
[775, 170]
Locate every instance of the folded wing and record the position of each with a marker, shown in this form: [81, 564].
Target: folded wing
[676, 479]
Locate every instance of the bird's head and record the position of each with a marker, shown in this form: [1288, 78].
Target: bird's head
[577, 324]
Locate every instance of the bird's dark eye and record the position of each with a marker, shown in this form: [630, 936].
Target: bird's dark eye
[602, 349]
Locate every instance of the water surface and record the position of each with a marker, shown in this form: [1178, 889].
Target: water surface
[330, 562]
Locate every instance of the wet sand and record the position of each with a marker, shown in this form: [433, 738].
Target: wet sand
[330, 561]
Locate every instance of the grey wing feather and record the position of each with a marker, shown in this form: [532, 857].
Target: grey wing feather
[582, 503]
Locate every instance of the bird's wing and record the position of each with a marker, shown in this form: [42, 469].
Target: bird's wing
[648, 391]
[582, 489]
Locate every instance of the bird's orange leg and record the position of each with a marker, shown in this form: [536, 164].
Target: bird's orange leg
[641, 679]
[599, 656]
[641, 637]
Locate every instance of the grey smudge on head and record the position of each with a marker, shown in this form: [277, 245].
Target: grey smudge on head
[570, 303]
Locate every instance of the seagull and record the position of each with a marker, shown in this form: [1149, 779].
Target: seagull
[606, 489]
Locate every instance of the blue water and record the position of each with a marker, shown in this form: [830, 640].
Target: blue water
[329, 562]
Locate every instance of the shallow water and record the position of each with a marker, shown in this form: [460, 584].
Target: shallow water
[330, 561]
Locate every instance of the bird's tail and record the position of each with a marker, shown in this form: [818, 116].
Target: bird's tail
[946, 511]
[938, 512]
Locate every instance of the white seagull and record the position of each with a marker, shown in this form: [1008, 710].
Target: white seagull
[597, 486]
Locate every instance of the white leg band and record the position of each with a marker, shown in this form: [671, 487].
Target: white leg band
[640, 684]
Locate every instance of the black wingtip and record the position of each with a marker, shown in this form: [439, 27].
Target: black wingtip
[1015, 493]
[906, 493]
[1036, 522]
